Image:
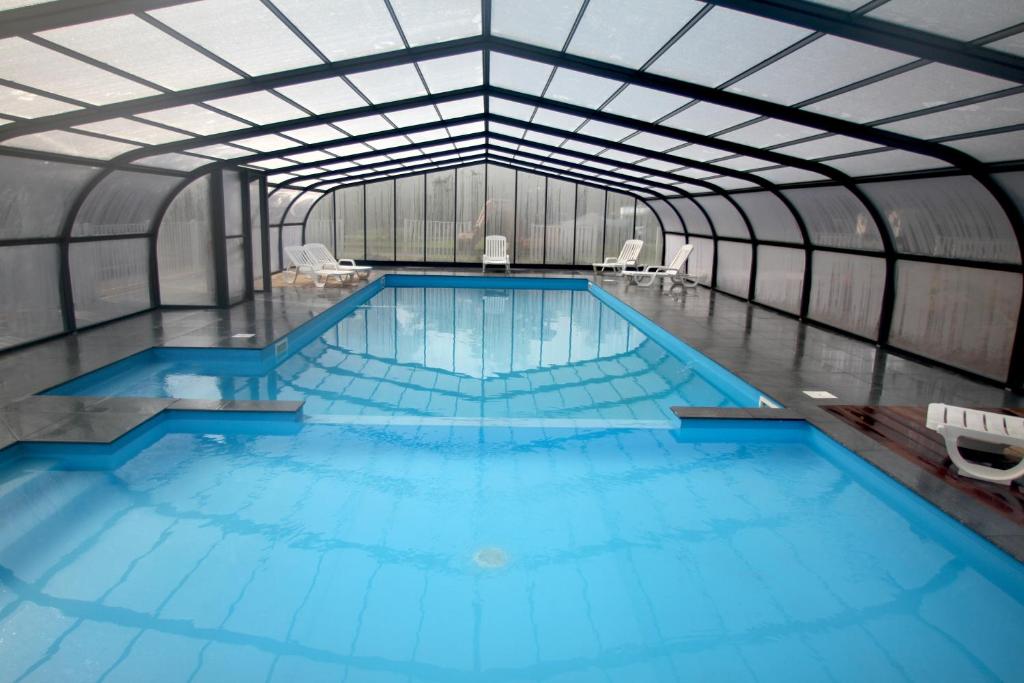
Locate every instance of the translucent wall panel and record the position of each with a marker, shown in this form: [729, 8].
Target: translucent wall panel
[560, 221]
[620, 212]
[35, 196]
[669, 218]
[1013, 183]
[32, 271]
[320, 224]
[291, 236]
[232, 203]
[769, 217]
[780, 277]
[110, 279]
[255, 220]
[470, 215]
[702, 259]
[725, 218]
[530, 200]
[673, 242]
[693, 218]
[846, 291]
[648, 229]
[501, 204]
[734, 268]
[380, 220]
[410, 204]
[589, 225]
[236, 269]
[965, 317]
[184, 249]
[123, 203]
[441, 216]
[349, 215]
[278, 202]
[954, 217]
[299, 209]
[274, 235]
[834, 217]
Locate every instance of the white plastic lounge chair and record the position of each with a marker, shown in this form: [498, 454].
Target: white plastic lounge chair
[496, 253]
[325, 258]
[302, 260]
[650, 274]
[299, 260]
[979, 429]
[627, 257]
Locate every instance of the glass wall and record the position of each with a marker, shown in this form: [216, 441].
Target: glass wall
[589, 225]
[440, 223]
[560, 221]
[620, 213]
[188, 272]
[501, 204]
[349, 223]
[470, 216]
[531, 195]
[410, 204]
[443, 217]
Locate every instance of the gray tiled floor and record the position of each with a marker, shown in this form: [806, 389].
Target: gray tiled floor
[775, 353]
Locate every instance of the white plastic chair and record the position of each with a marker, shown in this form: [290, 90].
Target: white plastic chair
[627, 257]
[299, 260]
[325, 258]
[674, 271]
[496, 253]
[955, 423]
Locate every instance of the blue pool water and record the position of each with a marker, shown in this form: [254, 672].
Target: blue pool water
[422, 348]
[251, 549]
[485, 485]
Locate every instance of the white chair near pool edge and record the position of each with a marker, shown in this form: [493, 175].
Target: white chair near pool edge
[955, 423]
[627, 257]
[496, 253]
[325, 258]
[300, 260]
[650, 274]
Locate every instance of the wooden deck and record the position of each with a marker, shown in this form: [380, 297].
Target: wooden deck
[902, 430]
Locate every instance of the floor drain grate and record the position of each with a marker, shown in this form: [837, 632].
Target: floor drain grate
[490, 558]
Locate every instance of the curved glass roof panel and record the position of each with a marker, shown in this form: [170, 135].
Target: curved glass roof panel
[516, 19]
[622, 87]
[928, 86]
[244, 33]
[327, 24]
[133, 45]
[951, 18]
[819, 67]
[698, 56]
[23, 62]
[608, 29]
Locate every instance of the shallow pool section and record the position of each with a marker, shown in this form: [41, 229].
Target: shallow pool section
[243, 548]
[424, 348]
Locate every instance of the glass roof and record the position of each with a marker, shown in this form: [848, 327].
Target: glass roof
[654, 91]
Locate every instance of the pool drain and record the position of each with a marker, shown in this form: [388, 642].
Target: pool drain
[490, 558]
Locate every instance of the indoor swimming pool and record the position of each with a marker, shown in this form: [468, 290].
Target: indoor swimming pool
[485, 484]
[204, 548]
[422, 347]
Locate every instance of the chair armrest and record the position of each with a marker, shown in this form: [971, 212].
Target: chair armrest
[610, 259]
[346, 260]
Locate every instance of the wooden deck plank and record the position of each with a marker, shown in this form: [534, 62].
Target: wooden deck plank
[902, 430]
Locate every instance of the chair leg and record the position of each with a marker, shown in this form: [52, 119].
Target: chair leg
[976, 471]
